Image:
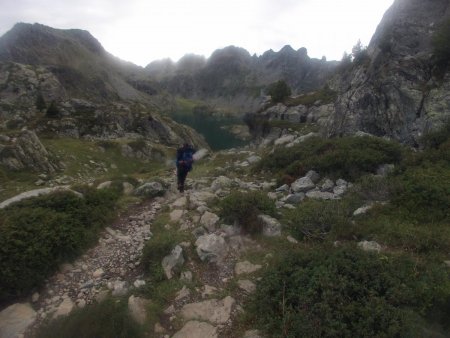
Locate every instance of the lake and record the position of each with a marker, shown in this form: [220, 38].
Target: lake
[210, 127]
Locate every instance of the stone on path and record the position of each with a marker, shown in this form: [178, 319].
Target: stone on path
[150, 189]
[363, 210]
[211, 248]
[209, 221]
[175, 216]
[15, 319]
[173, 262]
[271, 227]
[64, 308]
[183, 293]
[371, 246]
[246, 267]
[138, 308]
[195, 329]
[212, 310]
[246, 285]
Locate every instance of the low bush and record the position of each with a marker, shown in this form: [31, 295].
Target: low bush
[244, 209]
[38, 234]
[108, 319]
[315, 219]
[348, 293]
[159, 246]
[346, 157]
[423, 193]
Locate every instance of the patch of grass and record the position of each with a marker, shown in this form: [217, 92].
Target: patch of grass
[38, 234]
[108, 319]
[346, 157]
[346, 292]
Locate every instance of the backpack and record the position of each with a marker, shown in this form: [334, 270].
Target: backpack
[186, 155]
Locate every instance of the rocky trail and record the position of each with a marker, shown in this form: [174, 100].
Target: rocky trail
[216, 267]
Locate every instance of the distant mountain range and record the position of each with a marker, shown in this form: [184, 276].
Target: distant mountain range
[398, 87]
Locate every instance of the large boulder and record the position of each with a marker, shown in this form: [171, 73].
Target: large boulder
[150, 189]
[137, 307]
[211, 248]
[15, 319]
[271, 226]
[212, 310]
[303, 184]
[27, 152]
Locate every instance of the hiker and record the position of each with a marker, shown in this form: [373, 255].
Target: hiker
[184, 164]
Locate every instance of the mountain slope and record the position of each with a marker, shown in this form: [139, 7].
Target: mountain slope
[233, 77]
[399, 88]
[75, 57]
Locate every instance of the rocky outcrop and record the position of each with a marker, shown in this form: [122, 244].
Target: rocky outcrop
[26, 152]
[396, 89]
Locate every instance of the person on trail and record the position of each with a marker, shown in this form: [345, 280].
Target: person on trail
[184, 164]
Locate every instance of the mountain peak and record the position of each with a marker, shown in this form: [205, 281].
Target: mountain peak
[37, 44]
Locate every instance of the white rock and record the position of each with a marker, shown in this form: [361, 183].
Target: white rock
[98, 273]
[363, 210]
[303, 184]
[213, 310]
[15, 319]
[291, 240]
[64, 308]
[221, 182]
[323, 195]
[271, 226]
[173, 262]
[246, 267]
[183, 293]
[179, 203]
[186, 276]
[246, 285]
[139, 283]
[211, 248]
[314, 176]
[176, 215]
[104, 185]
[195, 329]
[209, 220]
[208, 291]
[284, 139]
[252, 334]
[35, 297]
[138, 308]
[369, 246]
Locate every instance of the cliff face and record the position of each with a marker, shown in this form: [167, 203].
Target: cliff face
[398, 89]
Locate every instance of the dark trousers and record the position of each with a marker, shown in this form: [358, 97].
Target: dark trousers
[182, 172]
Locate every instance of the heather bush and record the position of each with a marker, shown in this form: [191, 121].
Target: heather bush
[38, 234]
[347, 292]
[346, 157]
[244, 208]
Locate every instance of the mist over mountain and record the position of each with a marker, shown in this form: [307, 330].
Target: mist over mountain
[233, 73]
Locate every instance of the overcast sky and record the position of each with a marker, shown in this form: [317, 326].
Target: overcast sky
[141, 31]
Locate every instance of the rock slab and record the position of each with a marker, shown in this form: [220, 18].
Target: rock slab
[195, 329]
[15, 319]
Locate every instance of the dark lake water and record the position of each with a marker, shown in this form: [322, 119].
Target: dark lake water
[210, 127]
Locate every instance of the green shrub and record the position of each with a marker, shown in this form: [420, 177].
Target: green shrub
[423, 193]
[279, 91]
[244, 209]
[434, 139]
[441, 48]
[159, 246]
[108, 319]
[347, 293]
[346, 157]
[314, 219]
[53, 110]
[38, 234]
